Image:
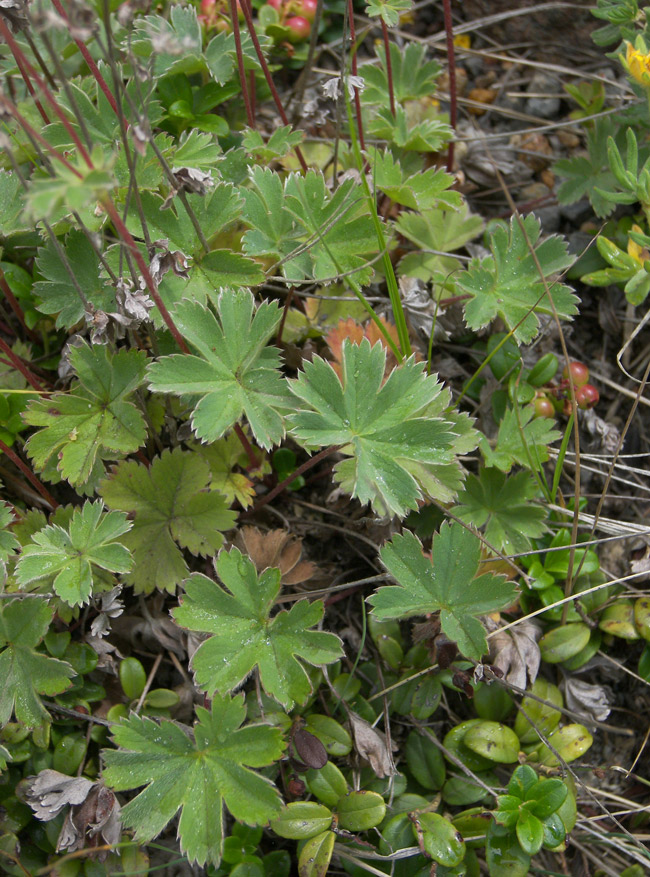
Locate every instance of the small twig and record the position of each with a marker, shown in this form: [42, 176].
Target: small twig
[234, 20]
[148, 683]
[308, 464]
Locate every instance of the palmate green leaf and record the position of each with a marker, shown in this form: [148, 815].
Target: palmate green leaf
[197, 777]
[57, 293]
[26, 673]
[173, 506]
[503, 505]
[214, 212]
[398, 442]
[442, 231]
[94, 421]
[69, 188]
[195, 149]
[413, 76]
[236, 373]
[428, 135]
[507, 284]
[246, 636]
[418, 191]
[69, 556]
[447, 583]
[328, 233]
[522, 438]
[388, 10]
[587, 174]
[281, 141]
[11, 205]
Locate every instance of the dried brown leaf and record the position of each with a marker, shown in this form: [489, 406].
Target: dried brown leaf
[515, 652]
[276, 548]
[371, 745]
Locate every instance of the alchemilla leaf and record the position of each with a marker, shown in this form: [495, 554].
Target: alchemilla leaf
[245, 636]
[522, 438]
[68, 556]
[507, 284]
[172, 506]
[448, 583]
[399, 445]
[26, 673]
[235, 375]
[504, 506]
[197, 776]
[95, 421]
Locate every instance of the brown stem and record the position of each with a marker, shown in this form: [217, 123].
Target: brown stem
[19, 55]
[88, 58]
[27, 472]
[16, 308]
[269, 79]
[246, 445]
[285, 311]
[20, 366]
[451, 65]
[308, 464]
[234, 17]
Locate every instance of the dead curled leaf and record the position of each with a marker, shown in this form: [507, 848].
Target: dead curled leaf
[515, 652]
[587, 700]
[279, 549]
[94, 815]
[371, 745]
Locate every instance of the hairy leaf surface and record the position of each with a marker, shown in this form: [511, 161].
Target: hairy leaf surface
[448, 583]
[197, 777]
[26, 673]
[397, 440]
[173, 506]
[94, 421]
[235, 375]
[69, 555]
[246, 636]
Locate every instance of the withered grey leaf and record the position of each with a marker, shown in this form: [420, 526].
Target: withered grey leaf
[371, 745]
[15, 14]
[50, 791]
[515, 652]
[96, 818]
[169, 261]
[586, 699]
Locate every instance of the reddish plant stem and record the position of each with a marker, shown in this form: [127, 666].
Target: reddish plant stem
[246, 445]
[88, 58]
[32, 91]
[285, 311]
[234, 18]
[308, 464]
[267, 74]
[451, 66]
[20, 366]
[354, 69]
[127, 238]
[16, 308]
[27, 472]
[19, 55]
[389, 67]
[7, 105]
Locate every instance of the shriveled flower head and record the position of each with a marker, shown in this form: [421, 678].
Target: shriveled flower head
[637, 62]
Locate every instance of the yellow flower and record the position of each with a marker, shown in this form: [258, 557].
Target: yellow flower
[463, 41]
[639, 254]
[638, 65]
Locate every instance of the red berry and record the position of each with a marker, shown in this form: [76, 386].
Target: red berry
[579, 373]
[544, 407]
[587, 396]
[299, 28]
[276, 4]
[307, 8]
